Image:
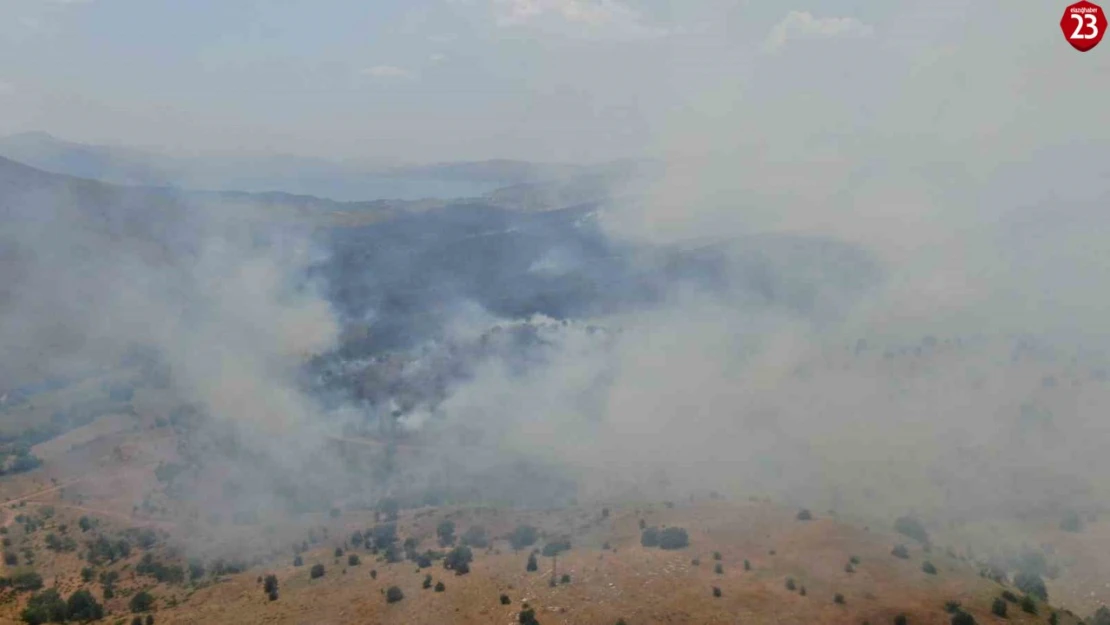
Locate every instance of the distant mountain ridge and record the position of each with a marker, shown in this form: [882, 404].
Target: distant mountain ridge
[290, 174]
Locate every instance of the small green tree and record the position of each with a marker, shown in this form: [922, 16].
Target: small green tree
[446, 532]
[82, 606]
[141, 601]
[532, 564]
[911, 527]
[1031, 584]
[998, 608]
[673, 538]
[475, 536]
[1071, 522]
[1028, 604]
[45, 607]
[458, 560]
[523, 536]
[26, 580]
[440, 587]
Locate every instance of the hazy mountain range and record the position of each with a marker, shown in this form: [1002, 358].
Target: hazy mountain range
[284, 173]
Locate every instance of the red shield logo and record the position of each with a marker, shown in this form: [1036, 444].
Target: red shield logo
[1083, 24]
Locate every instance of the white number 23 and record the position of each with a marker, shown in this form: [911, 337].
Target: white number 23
[1090, 22]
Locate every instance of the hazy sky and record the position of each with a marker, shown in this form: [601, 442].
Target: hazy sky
[541, 79]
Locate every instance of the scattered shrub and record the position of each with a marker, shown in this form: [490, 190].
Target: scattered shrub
[805, 515]
[1009, 596]
[747, 565]
[353, 560]
[394, 594]
[505, 600]
[528, 617]
[962, 618]
[649, 537]
[952, 607]
[848, 568]
[532, 564]
[427, 581]
[717, 555]
[298, 561]
[900, 551]
[998, 608]
[928, 568]
[440, 587]
[317, 571]
[716, 591]
[901, 620]
[790, 584]
[854, 560]
[374, 574]
[565, 579]
[718, 569]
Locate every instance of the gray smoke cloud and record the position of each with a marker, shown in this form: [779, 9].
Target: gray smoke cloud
[906, 312]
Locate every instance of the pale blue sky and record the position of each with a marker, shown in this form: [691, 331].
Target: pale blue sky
[432, 80]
